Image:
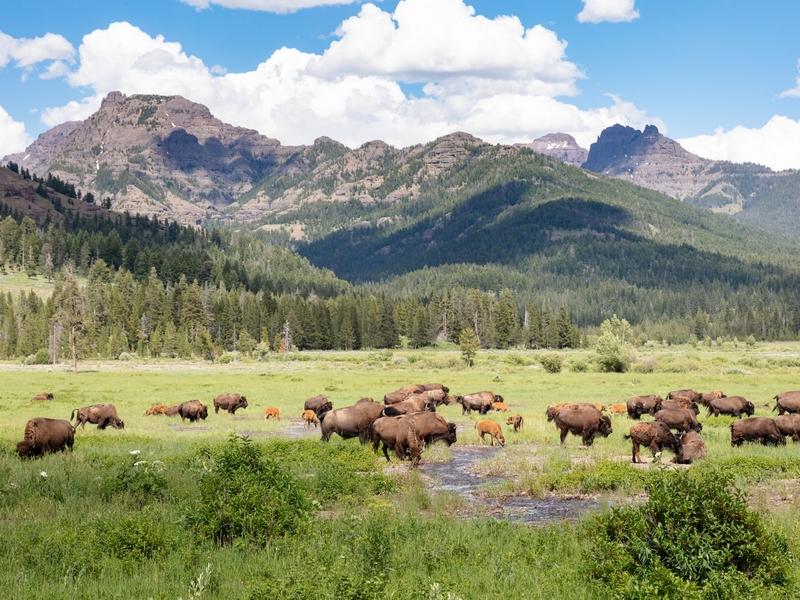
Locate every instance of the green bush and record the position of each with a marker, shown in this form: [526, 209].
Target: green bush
[143, 480]
[139, 536]
[552, 363]
[694, 537]
[244, 495]
[41, 357]
[579, 366]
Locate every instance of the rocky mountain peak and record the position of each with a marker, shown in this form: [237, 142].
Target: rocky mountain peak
[561, 146]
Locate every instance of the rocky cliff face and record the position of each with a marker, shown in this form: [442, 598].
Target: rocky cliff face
[560, 146]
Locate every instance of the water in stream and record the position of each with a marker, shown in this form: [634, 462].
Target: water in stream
[457, 477]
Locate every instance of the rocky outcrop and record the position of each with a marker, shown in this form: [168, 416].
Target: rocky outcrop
[560, 146]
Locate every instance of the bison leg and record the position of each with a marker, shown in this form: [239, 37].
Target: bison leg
[563, 435]
[635, 451]
[588, 440]
[386, 452]
[654, 448]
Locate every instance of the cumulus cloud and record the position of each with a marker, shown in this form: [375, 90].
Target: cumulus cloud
[493, 78]
[776, 144]
[13, 137]
[612, 11]
[276, 6]
[795, 91]
[29, 52]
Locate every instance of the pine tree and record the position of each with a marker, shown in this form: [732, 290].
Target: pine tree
[70, 311]
[469, 344]
[505, 320]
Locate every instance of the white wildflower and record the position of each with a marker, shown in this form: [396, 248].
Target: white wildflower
[43, 474]
[135, 452]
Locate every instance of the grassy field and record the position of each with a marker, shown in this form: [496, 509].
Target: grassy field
[60, 533]
[14, 282]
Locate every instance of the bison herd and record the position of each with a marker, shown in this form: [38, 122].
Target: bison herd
[675, 425]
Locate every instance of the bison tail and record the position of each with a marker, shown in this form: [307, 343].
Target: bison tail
[626, 436]
[72, 415]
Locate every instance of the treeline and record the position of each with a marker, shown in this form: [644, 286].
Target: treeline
[114, 313]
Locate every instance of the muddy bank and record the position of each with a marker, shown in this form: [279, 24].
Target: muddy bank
[458, 477]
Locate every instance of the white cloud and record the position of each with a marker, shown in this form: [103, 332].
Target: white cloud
[612, 11]
[776, 144]
[28, 52]
[491, 77]
[276, 6]
[795, 91]
[13, 137]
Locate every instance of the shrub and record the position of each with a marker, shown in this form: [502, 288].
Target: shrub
[41, 357]
[228, 357]
[579, 366]
[143, 480]
[244, 495]
[125, 356]
[695, 537]
[648, 364]
[140, 536]
[552, 363]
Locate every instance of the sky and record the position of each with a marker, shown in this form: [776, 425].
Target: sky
[721, 76]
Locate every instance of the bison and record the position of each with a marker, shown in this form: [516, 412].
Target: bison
[319, 404]
[681, 404]
[691, 447]
[619, 408]
[516, 422]
[731, 405]
[43, 397]
[690, 395]
[310, 419]
[680, 419]
[432, 427]
[194, 410]
[397, 433]
[640, 405]
[585, 421]
[789, 425]
[272, 413]
[351, 421]
[43, 436]
[101, 415]
[172, 410]
[787, 402]
[493, 429]
[156, 409]
[707, 397]
[656, 436]
[410, 405]
[229, 402]
[500, 407]
[756, 429]
[480, 402]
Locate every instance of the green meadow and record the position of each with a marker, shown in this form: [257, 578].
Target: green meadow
[132, 513]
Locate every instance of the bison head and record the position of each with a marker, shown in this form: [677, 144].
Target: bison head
[605, 426]
[455, 399]
[498, 398]
[204, 412]
[26, 449]
[243, 402]
[446, 389]
[698, 427]
[450, 438]
[749, 408]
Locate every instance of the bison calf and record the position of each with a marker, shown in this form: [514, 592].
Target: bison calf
[655, 436]
[491, 428]
[310, 419]
[516, 422]
[272, 413]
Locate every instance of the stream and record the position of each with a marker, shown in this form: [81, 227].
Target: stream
[456, 476]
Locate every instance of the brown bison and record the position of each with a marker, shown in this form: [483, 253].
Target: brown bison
[787, 402]
[399, 434]
[310, 419]
[395, 397]
[585, 421]
[641, 405]
[680, 419]
[194, 410]
[655, 436]
[619, 408]
[43, 436]
[756, 429]
[480, 402]
[493, 429]
[43, 397]
[156, 409]
[690, 395]
[516, 422]
[707, 397]
[691, 447]
[432, 428]
[681, 403]
[172, 410]
[789, 425]
[732, 405]
[554, 409]
[412, 404]
[351, 421]
[272, 412]
[500, 407]
[319, 404]
[229, 402]
[101, 415]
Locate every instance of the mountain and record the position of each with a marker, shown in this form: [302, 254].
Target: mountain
[561, 146]
[751, 193]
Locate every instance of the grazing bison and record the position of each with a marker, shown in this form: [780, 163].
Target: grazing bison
[481, 402]
[789, 425]
[619, 408]
[194, 410]
[787, 402]
[690, 395]
[310, 419]
[101, 415]
[156, 409]
[655, 436]
[43, 396]
[641, 405]
[319, 404]
[351, 421]
[229, 402]
[516, 422]
[272, 413]
[732, 405]
[432, 428]
[412, 404]
[681, 403]
[554, 409]
[585, 421]
[707, 397]
[500, 407]
[43, 436]
[493, 429]
[399, 434]
[756, 429]
[691, 447]
[680, 419]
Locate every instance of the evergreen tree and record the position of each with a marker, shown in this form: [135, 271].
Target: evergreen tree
[469, 344]
[70, 311]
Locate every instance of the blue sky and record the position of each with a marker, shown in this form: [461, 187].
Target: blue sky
[693, 67]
